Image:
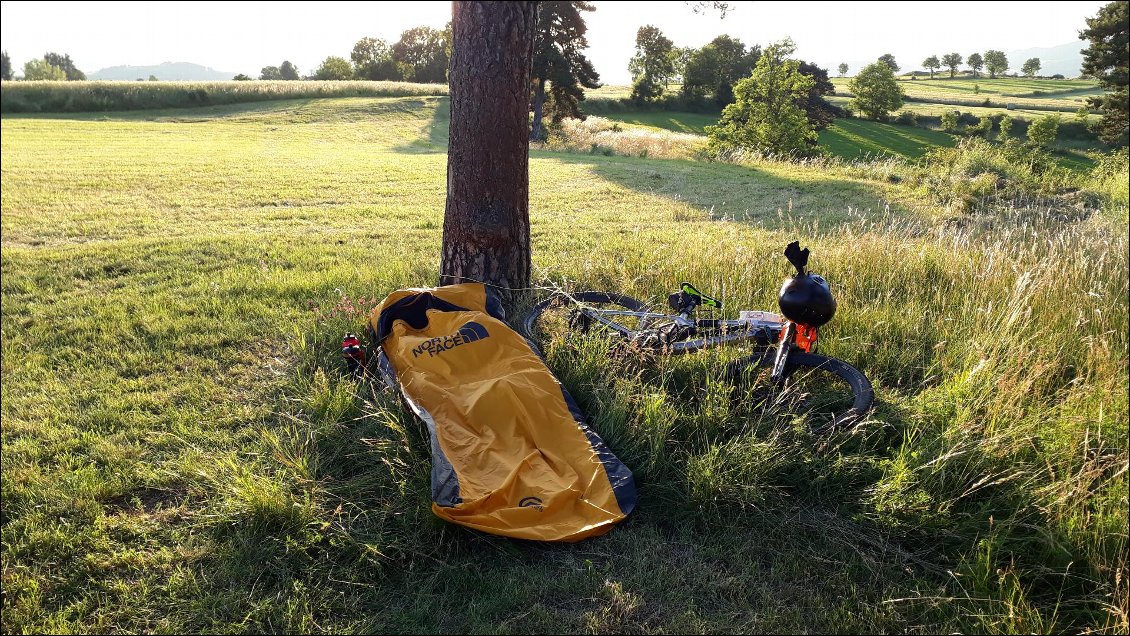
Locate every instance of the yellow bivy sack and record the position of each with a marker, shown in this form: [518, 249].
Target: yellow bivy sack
[511, 452]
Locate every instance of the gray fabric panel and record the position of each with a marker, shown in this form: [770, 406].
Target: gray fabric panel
[445, 483]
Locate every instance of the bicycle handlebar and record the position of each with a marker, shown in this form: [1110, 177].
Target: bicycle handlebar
[700, 298]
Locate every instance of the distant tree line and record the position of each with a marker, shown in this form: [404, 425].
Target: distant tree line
[52, 66]
[995, 62]
[422, 54]
[710, 74]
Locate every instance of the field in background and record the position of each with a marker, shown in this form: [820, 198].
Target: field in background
[925, 109]
[183, 453]
[844, 139]
[1022, 93]
[852, 139]
[95, 96]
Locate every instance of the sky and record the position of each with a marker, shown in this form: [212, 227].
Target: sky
[243, 37]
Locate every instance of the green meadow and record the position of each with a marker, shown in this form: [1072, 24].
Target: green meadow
[183, 451]
[1023, 93]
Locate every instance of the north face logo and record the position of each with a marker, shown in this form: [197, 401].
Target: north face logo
[468, 333]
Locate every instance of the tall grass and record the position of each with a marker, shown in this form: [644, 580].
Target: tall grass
[1110, 181]
[597, 135]
[71, 97]
[997, 457]
[999, 452]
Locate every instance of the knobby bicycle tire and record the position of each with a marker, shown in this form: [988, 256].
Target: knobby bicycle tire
[863, 394]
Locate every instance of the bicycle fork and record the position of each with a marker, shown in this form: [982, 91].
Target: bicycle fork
[802, 337]
[787, 335]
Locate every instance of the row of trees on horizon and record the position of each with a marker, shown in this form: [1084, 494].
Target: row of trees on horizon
[995, 62]
[422, 54]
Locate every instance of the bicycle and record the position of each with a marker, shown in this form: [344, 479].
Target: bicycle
[786, 345]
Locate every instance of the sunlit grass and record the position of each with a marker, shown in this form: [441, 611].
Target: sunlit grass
[856, 138]
[1022, 93]
[182, 451]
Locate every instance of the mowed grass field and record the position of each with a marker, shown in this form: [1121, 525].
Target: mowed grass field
[850, 139]
[855, 139]
[1038, 94]
[182, 451]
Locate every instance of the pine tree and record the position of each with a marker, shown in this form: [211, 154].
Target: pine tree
[560, 71]
[1105, 59]
[486, 224]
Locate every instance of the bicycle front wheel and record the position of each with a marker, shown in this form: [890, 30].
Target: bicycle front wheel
[826, 393]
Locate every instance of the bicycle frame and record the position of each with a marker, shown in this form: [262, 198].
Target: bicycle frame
[766, 332]
[728, 331]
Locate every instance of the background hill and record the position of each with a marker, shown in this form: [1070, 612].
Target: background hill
[163, 71]
[1064, 59]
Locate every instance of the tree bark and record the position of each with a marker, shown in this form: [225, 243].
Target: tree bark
[486, 225]
[539, 106]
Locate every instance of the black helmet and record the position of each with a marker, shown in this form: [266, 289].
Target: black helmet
[805, 298]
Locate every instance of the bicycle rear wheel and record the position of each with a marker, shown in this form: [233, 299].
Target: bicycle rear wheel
[826, 393]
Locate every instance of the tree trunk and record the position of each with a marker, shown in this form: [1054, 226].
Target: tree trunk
[539, 105]
[486, 224]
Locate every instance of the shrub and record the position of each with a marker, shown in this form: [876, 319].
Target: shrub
[949, 121]
[1110, 182]
[984, 126]
[1006, 128]
[907, 118]
[1042, 132]
[645, 90]
[967, 118]
[975, 175]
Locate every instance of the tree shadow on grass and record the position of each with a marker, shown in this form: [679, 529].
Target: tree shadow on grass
[774, 197]
[434, 134]
[853, 138]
